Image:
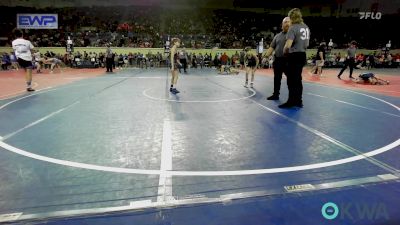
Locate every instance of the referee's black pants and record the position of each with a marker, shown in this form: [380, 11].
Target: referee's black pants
[348, 63]
[109, 64]
[184, 64]
[296, 62]
[280, 67]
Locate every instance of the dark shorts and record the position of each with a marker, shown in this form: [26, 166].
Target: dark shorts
[251, 65]
[25, 64]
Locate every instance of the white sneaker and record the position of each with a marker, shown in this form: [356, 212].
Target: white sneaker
[245, 85]
[251, 85]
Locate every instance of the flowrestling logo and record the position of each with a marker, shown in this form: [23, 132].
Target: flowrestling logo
[370, 15]
[37, 21]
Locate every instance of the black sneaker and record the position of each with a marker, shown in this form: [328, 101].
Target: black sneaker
[174, 91]
[273, 97]
[338, 76]
[30, 89]
[351, 77]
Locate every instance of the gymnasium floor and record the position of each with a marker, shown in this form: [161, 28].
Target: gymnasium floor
[90, 148]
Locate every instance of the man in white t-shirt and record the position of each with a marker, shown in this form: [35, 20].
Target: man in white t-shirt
[22, 49]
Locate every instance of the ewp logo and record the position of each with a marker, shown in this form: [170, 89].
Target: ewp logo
[355, 211]
[37, 21]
